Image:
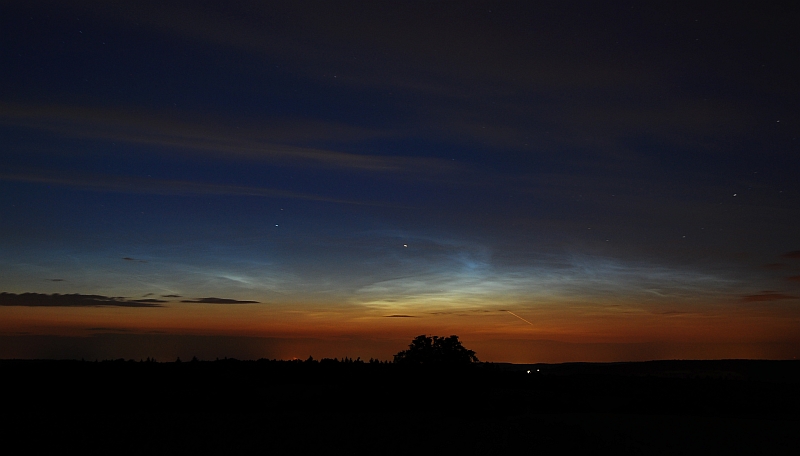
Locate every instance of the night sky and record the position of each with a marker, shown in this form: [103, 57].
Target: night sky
[551, 181]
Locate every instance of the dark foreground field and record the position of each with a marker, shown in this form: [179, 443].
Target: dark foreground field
[281, 407]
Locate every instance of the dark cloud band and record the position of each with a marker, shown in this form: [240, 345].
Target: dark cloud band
[217, 301]
[72, 300]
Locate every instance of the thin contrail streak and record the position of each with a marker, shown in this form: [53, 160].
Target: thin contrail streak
[526, 321]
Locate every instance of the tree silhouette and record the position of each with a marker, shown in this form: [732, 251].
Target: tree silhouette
[436, 351]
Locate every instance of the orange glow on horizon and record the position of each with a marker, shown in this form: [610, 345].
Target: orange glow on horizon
[501, 334]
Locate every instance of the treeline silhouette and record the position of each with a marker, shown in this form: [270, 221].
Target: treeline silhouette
[436, 350]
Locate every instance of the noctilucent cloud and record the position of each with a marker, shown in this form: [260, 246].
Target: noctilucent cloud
[567, 182]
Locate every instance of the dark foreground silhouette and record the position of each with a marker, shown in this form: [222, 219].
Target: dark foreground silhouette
[282, 407]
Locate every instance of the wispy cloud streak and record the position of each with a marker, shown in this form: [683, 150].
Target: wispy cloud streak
[124, 184]
[271, 142]
[526, 321]
[446, 274]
